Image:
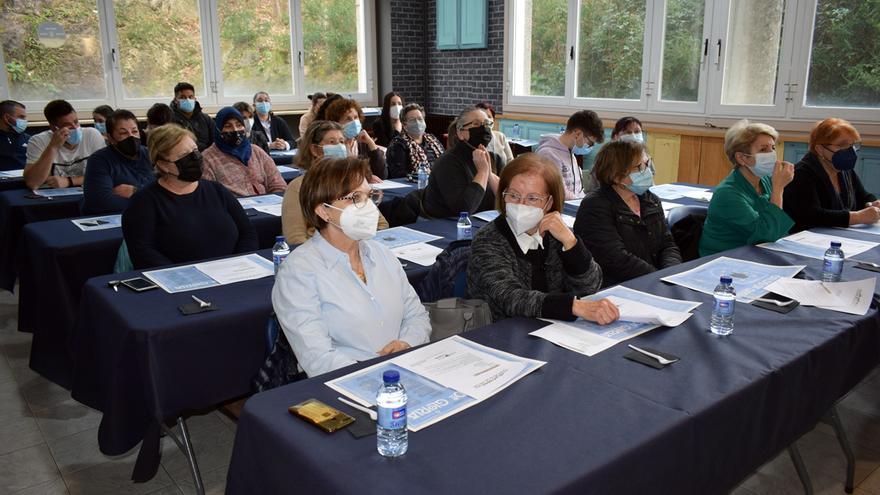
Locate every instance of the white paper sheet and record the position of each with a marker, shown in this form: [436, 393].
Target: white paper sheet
[421, 253]
[669, 206]
[870, 228]
[397, 237]
[814, 245]
[388, 184]
[637, 312]
[274, 210]
[284, 169]
[263, 200]
[98, 223]
[58, 192]
[238, 269]
[675, 191]
[749, 278]
[574, 202]
[487, 216]
[12, 173]
[853, 297]
[704, 196]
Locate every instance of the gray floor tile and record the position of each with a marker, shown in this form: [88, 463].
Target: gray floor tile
[168, 490]
[65, 418]
[26, 468]
[53, 487]
[39, 392]
[822, 452]
[18, 433]
[80, 451]
[778, 477]
[113, 478]
[212, 445]
[214, 482]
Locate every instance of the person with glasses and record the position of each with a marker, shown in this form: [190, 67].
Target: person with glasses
[57, 157]
[465, 177]
[582, 131]
[323, 139]
[181, 217]
[747, 206]
[413, 146]
[498, 144]
[826, 191]
[527, 262]
[342, 297]
[621, 222]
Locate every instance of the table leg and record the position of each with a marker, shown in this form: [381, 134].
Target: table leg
[185, 445]
[801, 469]
[832, 418]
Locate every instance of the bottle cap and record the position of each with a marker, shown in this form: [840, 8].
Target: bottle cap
[836, 244]
[391, 376]
[726, 279]
[279, 238]
[463, 214]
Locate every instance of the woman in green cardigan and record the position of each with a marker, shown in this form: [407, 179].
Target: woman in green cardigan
[746, 207]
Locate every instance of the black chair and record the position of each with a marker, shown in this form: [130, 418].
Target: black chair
[686, 225]
[280, 366]
[448, 275]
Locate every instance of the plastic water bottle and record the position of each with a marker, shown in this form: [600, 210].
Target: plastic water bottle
[722, 312]
[562, 129]
[832, 265]
[516, 134]
[279, 252]
[391, 434]
[465, 227]
[423, 175]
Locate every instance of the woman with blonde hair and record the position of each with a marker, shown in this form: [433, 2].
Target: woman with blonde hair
[746, 207]
[527, 262]
[826, 191]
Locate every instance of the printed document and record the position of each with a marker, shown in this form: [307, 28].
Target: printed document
[98, 223]
[211, 273]
[750, 279]
[264, 200]
[675, 191]
[813, 245]
[396, 237]
[846, 297]
[421, 253]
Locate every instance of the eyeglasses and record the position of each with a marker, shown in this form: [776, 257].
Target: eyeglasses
[487, 124]
[855, 146]
[359, 199]
[535, 200]
[646, 165]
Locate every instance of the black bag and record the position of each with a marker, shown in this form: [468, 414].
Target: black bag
[280, 366]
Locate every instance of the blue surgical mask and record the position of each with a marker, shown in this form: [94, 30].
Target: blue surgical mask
[20, 125]
[641, 181]
[101, 127]
[335, 150]
[186, 105]
[764, 163]
[75, 136]
[351, 129]
[633, 138]
[263, 107]
[582, 150]
[844, 160]
[416, 127]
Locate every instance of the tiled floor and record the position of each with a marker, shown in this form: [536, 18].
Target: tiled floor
[48, 441]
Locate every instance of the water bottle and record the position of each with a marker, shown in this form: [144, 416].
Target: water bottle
[516, 131]
[423, 175]
[722, 311]
[391, 435]
[832, 265]
[562, 129]
[464, 226]
[279, 252]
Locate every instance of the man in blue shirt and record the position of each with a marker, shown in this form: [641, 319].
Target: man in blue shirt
[13, 139]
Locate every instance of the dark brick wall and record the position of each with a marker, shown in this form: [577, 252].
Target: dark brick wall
[444, 81]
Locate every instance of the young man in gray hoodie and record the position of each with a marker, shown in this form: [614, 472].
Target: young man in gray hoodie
[582, 132]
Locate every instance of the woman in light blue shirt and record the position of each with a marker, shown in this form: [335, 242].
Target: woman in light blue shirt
[340, 297]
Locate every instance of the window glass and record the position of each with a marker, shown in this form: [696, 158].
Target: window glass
[332, 38]
[610, 45]
[541, 39]
[682, 50]
[752, 55]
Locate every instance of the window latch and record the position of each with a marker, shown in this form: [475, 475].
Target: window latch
[571, 53]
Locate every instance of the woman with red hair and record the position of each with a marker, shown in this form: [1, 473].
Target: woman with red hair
[826, 192]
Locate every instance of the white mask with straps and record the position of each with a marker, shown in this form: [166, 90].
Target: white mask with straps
[358, 223]
[522, 218]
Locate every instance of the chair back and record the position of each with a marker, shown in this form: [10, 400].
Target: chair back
[448, 276]
[280, 366]
[687, 227]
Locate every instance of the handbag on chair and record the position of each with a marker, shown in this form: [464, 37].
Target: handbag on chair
[455, 315]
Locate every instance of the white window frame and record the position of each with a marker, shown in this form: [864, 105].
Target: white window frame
[209, 89]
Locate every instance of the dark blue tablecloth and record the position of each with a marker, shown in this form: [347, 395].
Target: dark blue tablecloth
[9, 183]
[598, 424]
[280, 158]
[16, 210]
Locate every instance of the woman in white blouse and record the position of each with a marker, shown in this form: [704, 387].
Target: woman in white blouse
[341, 297]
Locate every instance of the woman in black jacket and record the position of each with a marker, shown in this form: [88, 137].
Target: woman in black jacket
[388, 126]
[826, 192]
[622, 222]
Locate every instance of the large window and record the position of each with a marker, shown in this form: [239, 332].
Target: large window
[760, 58]
[131, 53]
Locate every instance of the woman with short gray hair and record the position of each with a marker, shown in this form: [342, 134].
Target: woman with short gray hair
[746, 207]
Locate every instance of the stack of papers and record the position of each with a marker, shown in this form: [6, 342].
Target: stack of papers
[846, 297]
[63, 191]
[676, 191]
[409, 244]
[639, 312]
[750, 279]
[98, 223]
[868, 228]
[212, 273]
[441, 379]
[264, 200]
[388, 184]
[813, 245]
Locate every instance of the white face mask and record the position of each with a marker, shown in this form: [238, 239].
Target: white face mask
[248, 124]
[634, 138]
[394, 111]
[523, 218]
[358, 223]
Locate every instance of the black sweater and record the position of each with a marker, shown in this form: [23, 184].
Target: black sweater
[451, 187]
[811, 201]
[625, 245]
[163, 228]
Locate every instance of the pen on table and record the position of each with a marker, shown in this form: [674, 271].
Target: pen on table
[371, 413]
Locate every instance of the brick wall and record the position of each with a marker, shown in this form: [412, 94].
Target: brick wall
[444, 81]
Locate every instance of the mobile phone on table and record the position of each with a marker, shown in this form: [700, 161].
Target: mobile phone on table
[139, 284]
[321, 415]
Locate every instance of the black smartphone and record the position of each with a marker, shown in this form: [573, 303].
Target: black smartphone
[139, 284]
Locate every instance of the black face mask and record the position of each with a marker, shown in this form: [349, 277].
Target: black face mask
[129, 147]
[189, 167]
[479, 136]
[233, 138]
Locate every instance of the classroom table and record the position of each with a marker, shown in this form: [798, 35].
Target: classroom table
[56, 259]
[16, 211]
[136, 358]
[9, 183]
[600, 424]
[283, 157]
